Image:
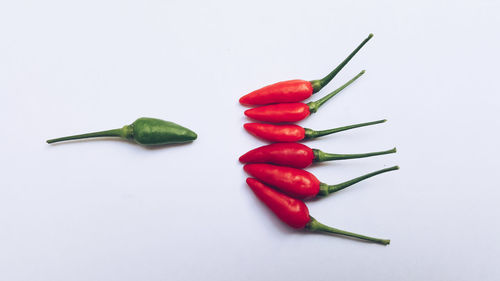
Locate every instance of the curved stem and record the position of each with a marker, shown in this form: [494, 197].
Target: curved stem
[315, 225]
[319, 84]
[320, 156]
[108, 133]
[328, 189]
[314, 105]
[310, 134]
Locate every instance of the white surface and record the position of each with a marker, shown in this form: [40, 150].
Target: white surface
[110, 210]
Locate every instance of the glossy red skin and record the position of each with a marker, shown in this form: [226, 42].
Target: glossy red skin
[294, 182]
[276, 133]
[294, 155]
[291, 211]
[286, 91]
[281, 112]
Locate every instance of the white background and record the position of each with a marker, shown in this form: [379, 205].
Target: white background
[111, 210]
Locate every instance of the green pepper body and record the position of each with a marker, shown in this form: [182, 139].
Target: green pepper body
[151, 131]
[144, 131]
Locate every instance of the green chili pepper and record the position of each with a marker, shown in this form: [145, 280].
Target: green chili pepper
[145, 131]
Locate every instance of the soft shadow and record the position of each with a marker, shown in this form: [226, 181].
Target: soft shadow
[339, 136]
[354, 239]
[320, 198]
[324, 163]
[247, 119]
[165, 146]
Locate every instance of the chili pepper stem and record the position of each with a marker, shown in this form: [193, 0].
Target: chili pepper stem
[325, 189]
[319, 84]
[316, 226]
[315, 105]
[320, 156]
[311, 134]
[125, 133]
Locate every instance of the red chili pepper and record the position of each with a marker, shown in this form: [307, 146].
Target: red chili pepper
[296, 214]
[299, 183]
[294, 133]
[292, 112]
[297, 155]
[294, 90]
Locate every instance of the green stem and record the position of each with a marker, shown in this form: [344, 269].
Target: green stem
[319, 84]
[122, 132]
[325, 189]
[315, 225]
[314, 105]
[310, 134]
[320, 156]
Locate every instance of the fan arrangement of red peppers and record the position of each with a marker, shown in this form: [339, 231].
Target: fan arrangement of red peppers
[278, 178]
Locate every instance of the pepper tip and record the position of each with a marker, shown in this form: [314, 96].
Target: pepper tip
[242, 159]
[247, 167]
[250, 180]
[247, 111]
[244, 100]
